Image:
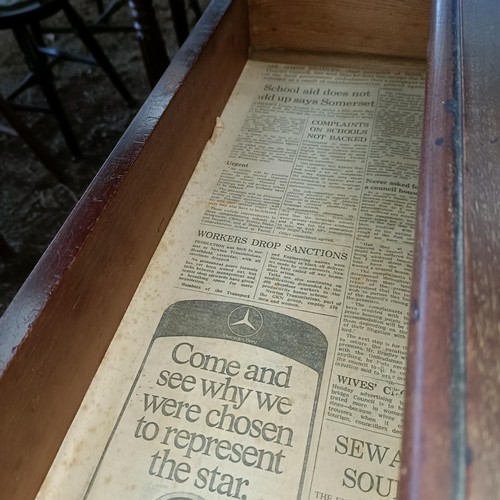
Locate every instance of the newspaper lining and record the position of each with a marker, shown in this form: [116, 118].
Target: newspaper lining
[263, 354]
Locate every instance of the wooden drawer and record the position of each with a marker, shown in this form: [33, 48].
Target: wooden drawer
[56, 331]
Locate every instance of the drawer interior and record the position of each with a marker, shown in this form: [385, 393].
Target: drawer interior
[61, 323]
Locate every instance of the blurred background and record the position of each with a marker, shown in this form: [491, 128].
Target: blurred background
[34, 201]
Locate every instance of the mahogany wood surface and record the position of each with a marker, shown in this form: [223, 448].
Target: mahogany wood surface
[426, 465]
[452, 426]
[388, 27]
[54, 334]
[481, 112]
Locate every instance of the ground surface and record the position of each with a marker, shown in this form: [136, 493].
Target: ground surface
[33, 203]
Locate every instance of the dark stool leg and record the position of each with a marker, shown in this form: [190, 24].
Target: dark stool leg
[5, 251]
[37, 34]
[95, 49]
[179, 17]
[150, 40]
[195, 6]
[100, 6]
[38, 66]
[36, 147]
[111, 8]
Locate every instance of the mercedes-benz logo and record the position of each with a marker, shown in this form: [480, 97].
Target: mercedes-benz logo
[245, 321]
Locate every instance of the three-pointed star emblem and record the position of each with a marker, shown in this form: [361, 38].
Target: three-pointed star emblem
[245, 321]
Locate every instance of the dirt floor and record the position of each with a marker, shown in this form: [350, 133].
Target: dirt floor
[33, 203]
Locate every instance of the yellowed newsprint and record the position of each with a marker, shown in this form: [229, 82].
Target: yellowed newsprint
[263, 355]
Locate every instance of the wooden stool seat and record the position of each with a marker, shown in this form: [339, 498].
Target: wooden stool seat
[26, 11]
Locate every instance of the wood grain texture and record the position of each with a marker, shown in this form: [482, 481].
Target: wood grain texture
[481, 86]
[444, 457]
[388, 27]
[55, 332]
[427, 439]
[357, 61]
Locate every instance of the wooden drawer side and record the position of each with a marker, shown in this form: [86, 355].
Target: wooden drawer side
[60, 324]
[384, 27]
